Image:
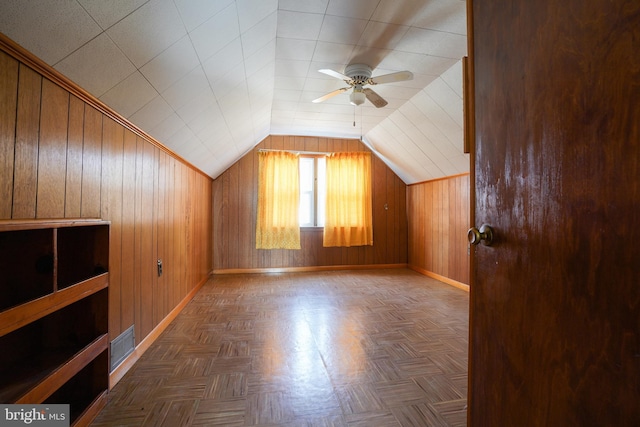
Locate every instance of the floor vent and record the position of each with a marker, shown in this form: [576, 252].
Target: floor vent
[122, 346]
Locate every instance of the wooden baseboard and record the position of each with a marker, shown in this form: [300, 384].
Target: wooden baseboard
[443, 279]
[306, 269]
[131, 359]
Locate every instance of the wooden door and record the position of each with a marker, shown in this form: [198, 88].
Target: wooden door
[555, 301]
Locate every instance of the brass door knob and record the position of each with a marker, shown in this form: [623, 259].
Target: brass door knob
[484, 235]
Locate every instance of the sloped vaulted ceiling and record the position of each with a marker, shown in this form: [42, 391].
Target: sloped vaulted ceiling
[210, 79]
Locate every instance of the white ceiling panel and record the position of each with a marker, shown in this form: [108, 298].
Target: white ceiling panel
[211, 78]
[51, 29]
[172, 64]
[382, 35]
[299, 25]
[445, 97]
[215, 33]
[195, 12]
[130, 94]
[151, 114]
[333, 53]
[262, 81]
[432, 42]
[148, 30]
[398, 12]
[261, 62]
[339, 29]
[184, 90]
[232, 80]
[442, 15]
[311, 6]
[97, 73]
[223, 61]
[193, 111]
[185, 139]
[164, 130]
[291, 67]
[359, 9]
[256, 38]
[300, 50]
[107, 12]
[251, 12]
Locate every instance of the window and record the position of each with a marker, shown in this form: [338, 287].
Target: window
[348, 202]
[332, 192]
[278, 200]
[312, 191]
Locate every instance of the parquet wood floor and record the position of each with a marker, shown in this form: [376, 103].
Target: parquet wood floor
[363, 348]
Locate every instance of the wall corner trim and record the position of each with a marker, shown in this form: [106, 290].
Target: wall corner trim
[441, 278]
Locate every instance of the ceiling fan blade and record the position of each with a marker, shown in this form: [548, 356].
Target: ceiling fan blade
[336, 74]
[390, 78]
[331, 94]
[374, 98]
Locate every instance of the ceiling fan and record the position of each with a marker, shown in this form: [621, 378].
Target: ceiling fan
[359, 75]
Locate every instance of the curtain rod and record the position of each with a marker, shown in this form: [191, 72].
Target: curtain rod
[315, 153]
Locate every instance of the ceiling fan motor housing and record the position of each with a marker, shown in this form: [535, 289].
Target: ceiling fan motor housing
[359, 73]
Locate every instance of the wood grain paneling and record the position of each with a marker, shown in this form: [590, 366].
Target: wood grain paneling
[235, 200]
[438, 214]
[52, 151]
[160, 308]
[73, 182]
[127, 298]
[111, 194]
[8, 102]
[25, 176]
[145, 227]
[169, 256]
[91, 161]
[65, 155]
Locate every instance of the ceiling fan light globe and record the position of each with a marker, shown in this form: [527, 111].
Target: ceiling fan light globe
[357, 98]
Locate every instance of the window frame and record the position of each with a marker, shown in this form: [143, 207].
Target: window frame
[316, 192]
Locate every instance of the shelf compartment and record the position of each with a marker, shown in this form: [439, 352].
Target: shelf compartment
[81, 253]
[47, 352]
[85, 390]
[22, 315]
[91, 411]
[65, 372]
[54, 301]
[27, 265]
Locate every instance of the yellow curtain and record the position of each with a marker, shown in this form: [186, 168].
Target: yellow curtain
[278, 201]
[348, 219]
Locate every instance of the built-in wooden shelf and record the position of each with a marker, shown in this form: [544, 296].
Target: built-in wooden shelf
[17, 317]
[54, 314]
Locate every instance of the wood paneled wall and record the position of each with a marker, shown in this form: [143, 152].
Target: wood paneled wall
[63, 156]
[438, 213]
[235, 195]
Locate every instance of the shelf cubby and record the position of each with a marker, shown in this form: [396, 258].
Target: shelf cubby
[27, 266]
[54, 280]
